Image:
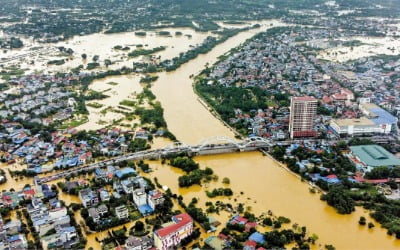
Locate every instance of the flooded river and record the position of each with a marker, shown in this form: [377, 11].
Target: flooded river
[261, 179]
[265, 184]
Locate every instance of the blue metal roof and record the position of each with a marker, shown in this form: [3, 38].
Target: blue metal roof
[257, 237]
[145, 209]
[68, 229]
[99, 171]
[14, 238]
[384, 117]
[124, 171]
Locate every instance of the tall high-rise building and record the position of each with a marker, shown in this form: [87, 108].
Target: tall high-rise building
[302, 115]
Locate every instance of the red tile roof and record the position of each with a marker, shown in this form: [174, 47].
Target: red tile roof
[347, 91]
[30, 192]
[331, 176]
[251, 224]
[377, 181]
[222, 236]
[239, 219]
[250, 243]
[156, 195]
[339, 96]
[326, 99]
[180, 221]
[359, 178]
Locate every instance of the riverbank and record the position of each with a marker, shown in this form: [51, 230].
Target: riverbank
[238, 135]
[258, 176]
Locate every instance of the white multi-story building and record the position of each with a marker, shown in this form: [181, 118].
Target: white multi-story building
[376, 121]
[171, 235]
[88, 197]
[139, 197]
[57, 213]
[122, 212]
[154, 198]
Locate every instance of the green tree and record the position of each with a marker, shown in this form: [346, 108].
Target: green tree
[139, 226]
[362, 221]
[339, 198]
[226, 180]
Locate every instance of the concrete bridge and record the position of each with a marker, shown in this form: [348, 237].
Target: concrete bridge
[210, 146]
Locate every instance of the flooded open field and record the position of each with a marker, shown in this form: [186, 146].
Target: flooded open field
[268, 186]
[371, 46]
[117, 88]
[265, 184]
[35, 56]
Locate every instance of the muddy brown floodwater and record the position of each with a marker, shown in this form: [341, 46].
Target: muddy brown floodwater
[265, 184]
[259, 177]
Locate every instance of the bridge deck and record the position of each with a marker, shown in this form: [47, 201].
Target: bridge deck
[204, 149]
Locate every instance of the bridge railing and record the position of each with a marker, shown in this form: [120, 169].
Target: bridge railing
[254, 142]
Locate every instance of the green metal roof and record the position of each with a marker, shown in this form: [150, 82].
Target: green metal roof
[375, 156]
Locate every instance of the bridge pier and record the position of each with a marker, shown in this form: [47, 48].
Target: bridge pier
[207, 148]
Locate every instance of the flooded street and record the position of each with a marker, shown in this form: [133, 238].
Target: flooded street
[268, 186]
[16, 182]
[265, 185]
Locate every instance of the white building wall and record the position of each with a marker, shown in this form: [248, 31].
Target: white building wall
[356, 130]
[139, 198]
[54, 214]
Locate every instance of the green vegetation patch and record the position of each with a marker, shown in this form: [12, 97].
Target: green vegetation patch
[112, 83]
[95, 95]
[153, 115]
[219, 192]
[74, 123]
[144, 52]
[164, 33]
[148, 79]
[7, 74]
[140, 33]
[128, 103]
[56, 62]
[95, 105]
[352, 43]
[185, 163]
[92, 65]
[194, 177]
